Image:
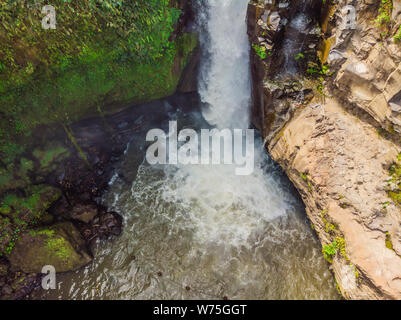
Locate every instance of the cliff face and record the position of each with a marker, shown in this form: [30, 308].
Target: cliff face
[101, 56]
[333, 125]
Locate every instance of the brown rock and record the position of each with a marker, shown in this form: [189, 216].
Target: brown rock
[84, 213]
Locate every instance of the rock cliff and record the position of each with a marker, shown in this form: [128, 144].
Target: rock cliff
[330, 113]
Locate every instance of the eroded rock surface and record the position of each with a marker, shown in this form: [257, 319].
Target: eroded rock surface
[369, 66]
[339, 165]
[335, 129]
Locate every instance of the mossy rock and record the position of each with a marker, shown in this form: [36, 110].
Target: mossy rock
[3, 268]
[31, 209]
[60, 245]
[6, 233]
[50, 156]
[10, 181]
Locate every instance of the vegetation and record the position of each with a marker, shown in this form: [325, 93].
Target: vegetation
[393, 184]
[384, 21]
[101, 52]
[389, 244]
[260, 51]
[397, 36]
[385, 10]
[299, 56]
[305, 177]
[329, 251]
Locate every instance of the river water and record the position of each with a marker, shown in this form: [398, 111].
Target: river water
[200, 231]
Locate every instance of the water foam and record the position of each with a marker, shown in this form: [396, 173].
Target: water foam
[211, 200]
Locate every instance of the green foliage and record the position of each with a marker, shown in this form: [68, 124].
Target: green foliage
[319, 72]
[389, 244]
[260, 51]
[383, 19]
[103, 52]
[306, 179]
[299, 56]
[141, 28]
[393, 184]
[385, 10]
[330, 250]
[316, 69]
[397, 36]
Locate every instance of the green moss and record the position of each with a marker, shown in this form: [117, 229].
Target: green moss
[260, 51]
[119, 53]
[59, 247]
[10, 150]
[384, 16]
[306, 179]
[49, 155]
[341, 247]
[397, 36]
[338, 287]
[393, 184]
[31, 209]
[389, 244]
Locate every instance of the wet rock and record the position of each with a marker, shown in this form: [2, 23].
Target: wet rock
[3, 267]
[104, 225]
[84, 213]
[49, 157]
[189, 78]
[7, 291]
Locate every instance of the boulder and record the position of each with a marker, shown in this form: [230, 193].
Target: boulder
[84, 213]
[60, 245]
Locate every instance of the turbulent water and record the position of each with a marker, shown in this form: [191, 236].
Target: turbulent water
[200, 231]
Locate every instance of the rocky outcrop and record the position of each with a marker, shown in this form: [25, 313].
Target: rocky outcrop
[60, 245]
[333, 126]
[339, 165]
[367, 64]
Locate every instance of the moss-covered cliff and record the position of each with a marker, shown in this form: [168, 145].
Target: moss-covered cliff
[102, 54]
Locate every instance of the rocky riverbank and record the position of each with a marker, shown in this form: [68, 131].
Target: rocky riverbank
[332, 123]
[56, 165]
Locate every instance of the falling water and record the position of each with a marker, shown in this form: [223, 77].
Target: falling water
[200, 231]
[225, 78]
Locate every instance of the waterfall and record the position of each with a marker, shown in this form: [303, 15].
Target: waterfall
[201, 231]
[225, 76]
